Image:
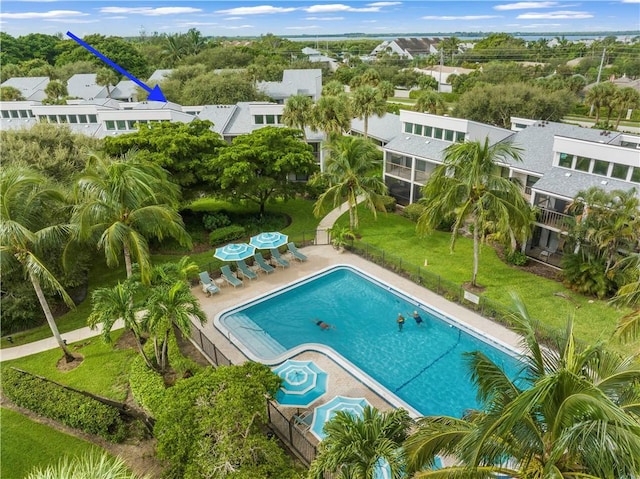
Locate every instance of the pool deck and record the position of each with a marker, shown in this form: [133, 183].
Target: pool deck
[341, 381]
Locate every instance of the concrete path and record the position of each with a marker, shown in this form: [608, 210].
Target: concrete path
[326, 223]
[15, 352]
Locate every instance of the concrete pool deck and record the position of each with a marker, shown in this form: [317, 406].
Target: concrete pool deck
[341, 381]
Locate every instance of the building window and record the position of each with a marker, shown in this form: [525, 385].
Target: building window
[53, 119]
[258, 119]
[62, 118]
[279, 119]
[131, 124]
[23, 114]
[565, 160]
[5, 114]
[43, 119]
[82, 118]
[417, 129]
[619, 171]
[408, 127]
[110, 124]
[270, 119]
[448, 135]
[428, 131]
[582, 163]
[73, 119]
[460, 136]
[437, 133]
[600, 167]
[14, 113]
[93, 119]
[635, 176]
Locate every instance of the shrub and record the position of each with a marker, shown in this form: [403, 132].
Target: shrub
[227, 233]
[447, 223]
[413, 211]
[389, 203]
[56, 402]
[517, 258]
[213, 221]
[147, 386]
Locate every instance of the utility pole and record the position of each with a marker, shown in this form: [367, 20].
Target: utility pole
[599, 74]
[441, 65]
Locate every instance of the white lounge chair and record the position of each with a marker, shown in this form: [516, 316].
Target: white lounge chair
[208, 286]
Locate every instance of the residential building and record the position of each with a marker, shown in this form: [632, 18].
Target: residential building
[409, 48]
[315, 56]
[31, 88]
[294, 82]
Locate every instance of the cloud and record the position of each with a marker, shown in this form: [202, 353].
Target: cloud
[234, 18]
[151, 12]
[49, 14]
[259, 10]
[236, 27]
[196, 24]
[542, 25]
[115, 17]
[338, 7]
[560, 15]
[325, 19]
[461, 17]
[525, 5]
[630, 1]
[302, 28]
[69, 20]
[383, 4]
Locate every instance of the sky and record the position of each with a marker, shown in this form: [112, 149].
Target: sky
[286, 18]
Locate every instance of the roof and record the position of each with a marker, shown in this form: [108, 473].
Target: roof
[83, 85]
[567, 183]
[417, 45]
[219, 115]
[159, 75]
[384, 128]
[294, 82]
[419, 146]
[31, 88]
[125, 89]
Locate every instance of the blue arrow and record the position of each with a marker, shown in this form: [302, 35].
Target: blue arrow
[155, 94]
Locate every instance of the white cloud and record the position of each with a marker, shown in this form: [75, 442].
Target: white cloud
[383, 4]
[630, 1]
[338, 7]
[259, 10]
[236, 27]
[38, 1]
[151, 12]
[325, 19]
[234, 18]
[49, 14]
[369, 21]
[116, 17]
[69, 20]
[461, 17]
[560, 15]
[525, 5]
[196, 24]
[306, 27]
[543, 25]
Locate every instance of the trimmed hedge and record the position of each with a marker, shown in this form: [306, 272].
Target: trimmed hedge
[147, 386]
[228, 233]
[389, 204]
[70, 408]
[413, 211]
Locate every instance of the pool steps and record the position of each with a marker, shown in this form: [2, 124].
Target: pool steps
[262, 342]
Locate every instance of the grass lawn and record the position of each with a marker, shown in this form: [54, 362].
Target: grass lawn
[594, 319]
[104, 370]
[26, 444]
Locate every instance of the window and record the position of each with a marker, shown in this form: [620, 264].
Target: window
[635, 176]
[619, 171]
[417, 129]
[93, 119]
[279, 119]
[62, 118]
[271, 119]
[408, 127]
[132, 124]
[460, 136]
[428, 131]
[532, 180]
[43, 119]
[82, 119]
[582, 163]
[73, 118]
[121, 124]
[565, 160]
[53, 119]
[600, 167]
[5, 113]
[14, 113]
[448, 135]
[258, 119]
[110, 124]
[142, 122]
[23, 114]
[437, 133]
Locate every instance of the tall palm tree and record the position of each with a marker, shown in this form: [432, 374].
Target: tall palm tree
[297, 113]
[174, 48]
[56, 91]
[193, 41]
[106, 77]
[332, 115]
[449, 46]
[121, 203]
[624, 99]
[348, 172]
[333, 88]
[572, 413]
[354, 446]
[26, 201]
[628, 327]
[431, 102]
[468, 185]
[367, 101]
[599, 96]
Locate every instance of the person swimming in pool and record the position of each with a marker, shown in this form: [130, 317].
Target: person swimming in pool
[400, 322]
[418, 318]
[322, 325]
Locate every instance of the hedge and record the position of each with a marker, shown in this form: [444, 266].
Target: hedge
[147, 386]
[69, 407]
[413, 211]
[227, 233]
[389, 203]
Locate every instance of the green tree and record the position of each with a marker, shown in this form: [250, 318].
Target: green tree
[572, 413]
[333, 88]
[219, 89]
[629, 295]
[174, 48]
[468, 186]
[431, 102]
[331, 115]
[354, 446]
[257, 166]
[194, 41]
[297, 113]
[450, 46]
[348, 174]
[26, 200]
[624, 99]
[121, 203]
[367, 101]
[600, 96]
[9, 93]
[107, 77]
[96, 466]
[56, 91]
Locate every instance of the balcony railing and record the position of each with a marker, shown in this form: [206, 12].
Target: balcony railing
[399, 171]
[553, 218]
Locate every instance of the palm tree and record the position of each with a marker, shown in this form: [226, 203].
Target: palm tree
[348, 174]
[572, 413]
[297, 113]
[333, 88]
[194, 42]
[431, 102]
[450, 45]
[174, 47]
[122, 202]
[386, 89]
[56, 91]
[331, 114]
[94, 465]
[468, 185]
[367, 101]
[106, 77]
[623, 100]
[354, 446]
[26, 200]
[599, 96]
[628, 327]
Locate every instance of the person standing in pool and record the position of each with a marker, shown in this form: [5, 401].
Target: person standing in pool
[400, 322]
[418, 318]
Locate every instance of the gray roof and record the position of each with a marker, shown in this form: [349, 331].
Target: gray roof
[32, 88]
[420, 146]
[418, 45]
[101, 102]
[384, 128]
[219, 115]
[83, 85]
[154, 105]
[537, 143]
[125, 89]
[159, 75]
[294, 82]
[556, 182]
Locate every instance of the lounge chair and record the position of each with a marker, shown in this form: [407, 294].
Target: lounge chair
[262, 264]
[295, 254]
[303, 421]
[208, 286]
[280, 261]
[244, 270]
[229, 277]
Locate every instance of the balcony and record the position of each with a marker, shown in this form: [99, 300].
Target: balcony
[398, 171]
[553, 219]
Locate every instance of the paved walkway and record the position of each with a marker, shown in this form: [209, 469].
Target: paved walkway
[326, 223]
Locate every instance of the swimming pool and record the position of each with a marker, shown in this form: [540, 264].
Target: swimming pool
[422, 365]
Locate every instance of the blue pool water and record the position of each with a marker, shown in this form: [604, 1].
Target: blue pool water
[422, 365]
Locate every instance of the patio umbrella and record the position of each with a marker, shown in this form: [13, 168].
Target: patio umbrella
[304, 382]
[268, 240]
[382, 469]
[326, 411]
[234, 252]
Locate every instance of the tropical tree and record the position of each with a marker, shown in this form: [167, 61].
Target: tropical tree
[624, 99]
[56, 91]
[9, 93]
[194, 42]
[431, 102]
[333, 88]
[27, 202]
[348, 174]
[174, 48]
[107, 77]
[121, 203]
[468, 186]
[367, 101]
[332, 115]
[354, 446]
[96, 466]
[599, 96]
[572, 413]
[450, 46]
[629, 295]
[297, 113]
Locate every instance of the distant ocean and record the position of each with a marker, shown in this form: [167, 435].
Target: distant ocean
[571, 36]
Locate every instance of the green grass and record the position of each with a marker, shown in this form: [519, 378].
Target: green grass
[594, 320]
[104, 370]
[27, 444]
